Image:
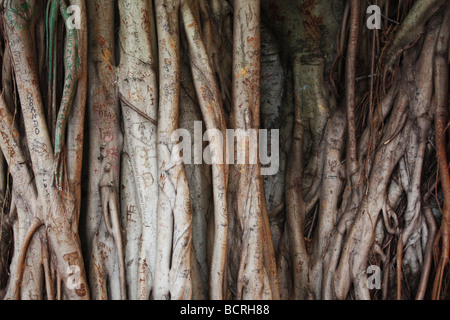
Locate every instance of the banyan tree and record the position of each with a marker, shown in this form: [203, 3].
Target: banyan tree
[224, 149]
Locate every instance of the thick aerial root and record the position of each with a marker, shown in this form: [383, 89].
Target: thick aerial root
[104, 251]
[168, 34]
[350, 80]
[72, 64]
[56, 206]
[174, 257]
[138, 93]
[355, 154]
[399, 268]
[35, 225]
[256, 277]
[329, 197]
[132, 226]
[75, 145]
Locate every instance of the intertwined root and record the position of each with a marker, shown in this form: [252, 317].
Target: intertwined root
[353, 193]
[357, 177]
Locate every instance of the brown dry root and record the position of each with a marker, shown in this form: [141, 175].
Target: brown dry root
[48, 277]
[441, 123]
[21, 208]
[278, 222]
[200, 183]
[352, 170]
[295, 203]
[174, 257]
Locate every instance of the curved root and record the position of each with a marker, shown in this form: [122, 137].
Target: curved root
[35, 226]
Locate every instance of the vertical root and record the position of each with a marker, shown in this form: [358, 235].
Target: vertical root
[111, 211]
[431, 223]
[35, 225]
[399, 268]
[350, 79]
[47, 273]
[441, 122]
[214, 118]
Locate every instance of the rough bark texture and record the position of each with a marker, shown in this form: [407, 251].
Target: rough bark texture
[132, 153]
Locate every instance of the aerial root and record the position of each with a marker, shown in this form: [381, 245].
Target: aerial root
[35, 226]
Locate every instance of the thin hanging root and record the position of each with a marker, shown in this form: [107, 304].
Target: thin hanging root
[58, 288]
[428, 254]
[399, 267]
[110, 209]
[441, 122]
[115, 211]
[114, 230]
[35, 225]
[139, 112]
[436, 251]
[443, 262]
[350, 77]
[413, 25]
[257, 275]
[63, 240]
[48, 277]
